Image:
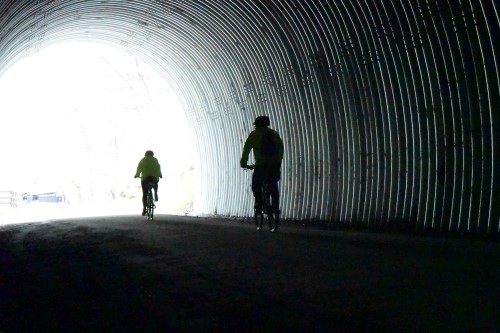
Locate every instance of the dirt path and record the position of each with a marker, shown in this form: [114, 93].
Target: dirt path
[120, 274]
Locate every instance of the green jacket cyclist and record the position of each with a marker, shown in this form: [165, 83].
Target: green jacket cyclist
[149, 171]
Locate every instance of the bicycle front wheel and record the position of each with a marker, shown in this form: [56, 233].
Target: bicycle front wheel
[259, 219]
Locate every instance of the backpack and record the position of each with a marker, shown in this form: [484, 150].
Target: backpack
[268, 145]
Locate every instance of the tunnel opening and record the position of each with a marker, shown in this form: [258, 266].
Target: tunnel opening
[76, 119]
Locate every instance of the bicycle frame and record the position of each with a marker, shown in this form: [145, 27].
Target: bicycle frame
[273, 217]
[267, 209]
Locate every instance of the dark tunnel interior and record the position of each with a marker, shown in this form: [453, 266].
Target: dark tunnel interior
[389, 110]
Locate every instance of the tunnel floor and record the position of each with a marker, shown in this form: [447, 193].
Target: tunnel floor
[184, 274]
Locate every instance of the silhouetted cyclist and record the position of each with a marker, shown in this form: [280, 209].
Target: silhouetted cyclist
[267, 149]
[149, 171]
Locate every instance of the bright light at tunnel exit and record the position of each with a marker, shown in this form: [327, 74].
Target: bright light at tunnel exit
[76, 119]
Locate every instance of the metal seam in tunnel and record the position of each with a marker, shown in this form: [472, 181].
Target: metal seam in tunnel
[389, 110]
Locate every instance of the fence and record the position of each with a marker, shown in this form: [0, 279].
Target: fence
[11, 198]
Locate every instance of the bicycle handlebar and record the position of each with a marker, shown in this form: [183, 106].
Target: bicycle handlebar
[249, 167]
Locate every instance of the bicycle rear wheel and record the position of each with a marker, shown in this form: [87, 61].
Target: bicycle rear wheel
[151, 213]
[273, 219]
[150, 205]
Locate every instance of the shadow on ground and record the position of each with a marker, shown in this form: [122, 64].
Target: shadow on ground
[185, 274]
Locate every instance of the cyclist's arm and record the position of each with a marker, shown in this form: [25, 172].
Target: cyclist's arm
[246, 151]
[138, 171]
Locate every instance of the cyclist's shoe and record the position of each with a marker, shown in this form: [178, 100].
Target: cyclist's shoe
[144, 212]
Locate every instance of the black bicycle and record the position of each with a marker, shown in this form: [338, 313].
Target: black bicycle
[150, 202]
[260, 213]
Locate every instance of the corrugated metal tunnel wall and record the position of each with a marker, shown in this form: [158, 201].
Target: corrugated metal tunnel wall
[388, 109]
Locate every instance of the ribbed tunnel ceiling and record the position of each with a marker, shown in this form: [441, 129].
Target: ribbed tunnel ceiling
[388, 109]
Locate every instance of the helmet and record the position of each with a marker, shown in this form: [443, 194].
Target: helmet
[261, 121]
[149, 153]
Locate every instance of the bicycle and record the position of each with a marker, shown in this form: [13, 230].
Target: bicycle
[273, 217]
[150, 202]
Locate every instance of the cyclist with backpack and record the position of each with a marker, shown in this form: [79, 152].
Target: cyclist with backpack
[149, 171]
[267, 149]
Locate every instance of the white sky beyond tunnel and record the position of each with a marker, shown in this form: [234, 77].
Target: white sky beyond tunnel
[76, 118]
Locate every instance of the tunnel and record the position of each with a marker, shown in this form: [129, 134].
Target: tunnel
[388, 110]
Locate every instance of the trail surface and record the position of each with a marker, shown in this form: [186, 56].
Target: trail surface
[186, 274]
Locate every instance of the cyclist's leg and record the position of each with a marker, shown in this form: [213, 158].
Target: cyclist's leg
[144, 185]
[155, 187]
[257, 179]
[275, 196]
[274, 178]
